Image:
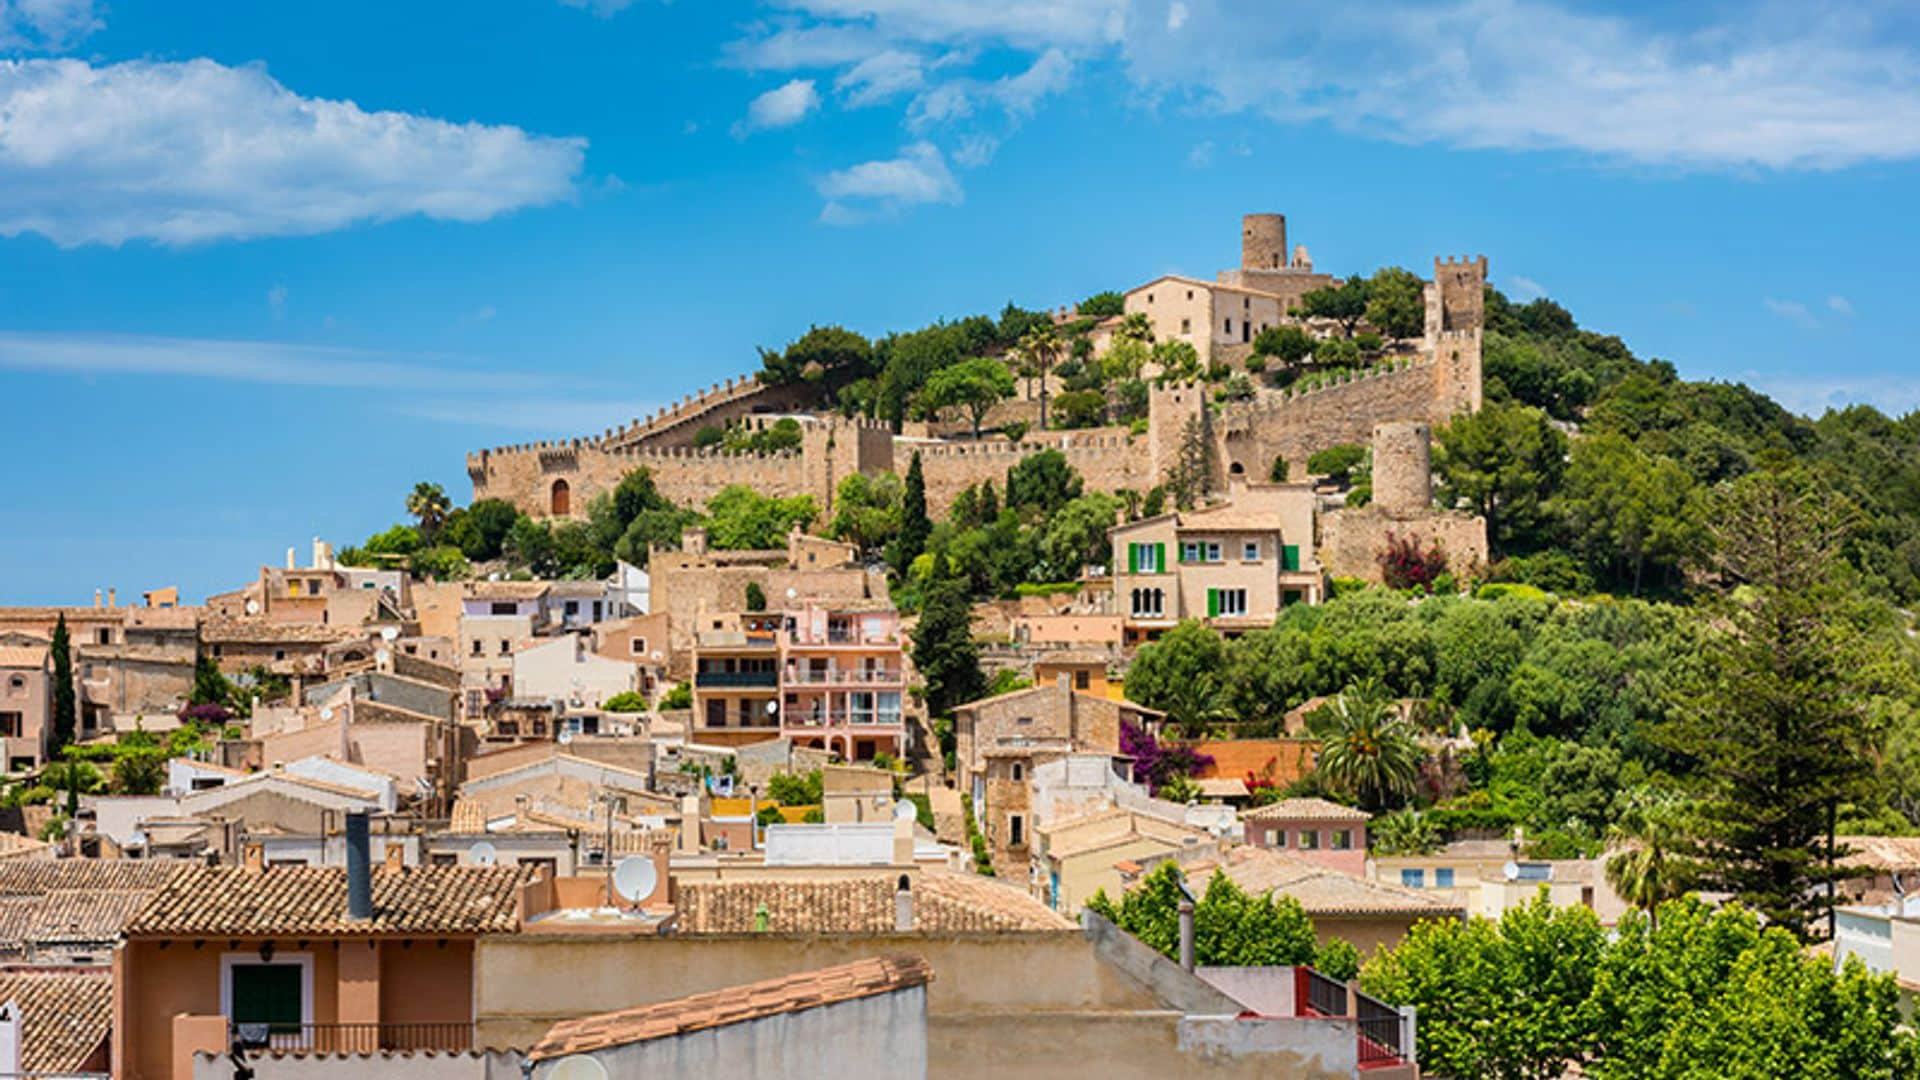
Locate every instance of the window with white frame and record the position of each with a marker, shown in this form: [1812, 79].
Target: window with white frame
[1233, 601]
[1148, 603]
[1199, 551]
[1250, 550]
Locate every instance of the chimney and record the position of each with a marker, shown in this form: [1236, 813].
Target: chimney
[903, 907]
[1186, 933]
[359, 870]
[112, 600]
[96, 598]
[254, 858]
[292, 562]
[396, 857]
[903, 841]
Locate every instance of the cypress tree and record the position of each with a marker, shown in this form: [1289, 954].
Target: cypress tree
[989, 504]
[943, 647]
[63, 697]
[915, 526]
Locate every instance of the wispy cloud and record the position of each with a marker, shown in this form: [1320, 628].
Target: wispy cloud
[1525, 287]
[1840, 305]
[1792, 311]
[1895, 395]
[782, 106]
[603, 8]
[876, 189]
[184, 153]
[1201, 156]
[47, 25]
[277, 299]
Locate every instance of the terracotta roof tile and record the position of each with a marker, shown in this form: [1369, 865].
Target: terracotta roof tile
[1321, 890]
[65, 1016]
[19, 876]
[1305, 810]
[23, 656]
[67, 916]
[788, 994]
[226, 628]
[943, 903]
[313, 900]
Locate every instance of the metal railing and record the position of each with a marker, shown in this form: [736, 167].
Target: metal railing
[1326, 996]
[839, 718]
[843, 676]
[352, 1038]
[723, 679]
[1381, 1030]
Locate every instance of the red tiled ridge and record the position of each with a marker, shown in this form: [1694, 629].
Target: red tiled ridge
[942, 903]
[788, 994]
[65, 1016]
[312, 900]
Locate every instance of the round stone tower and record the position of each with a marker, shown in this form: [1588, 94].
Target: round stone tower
[1263, 242]
[1403, 467]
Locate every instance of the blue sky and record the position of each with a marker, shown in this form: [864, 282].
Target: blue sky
[262, 266]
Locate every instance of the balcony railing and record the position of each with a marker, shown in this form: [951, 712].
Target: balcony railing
[1381, 1031]
[843, 718]
[1326, 996]
[352, 1038]
[844, 676]
[737, 679]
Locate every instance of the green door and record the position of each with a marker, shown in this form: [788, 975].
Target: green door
[267, 994]
[1290, 557]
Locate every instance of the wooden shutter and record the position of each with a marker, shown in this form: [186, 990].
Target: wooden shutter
[1213, 603]
[1160, 558]
[1133, 558]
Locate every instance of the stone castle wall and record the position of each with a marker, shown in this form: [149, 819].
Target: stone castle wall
[1296, 425]
[1351, 541]
[1107, 458]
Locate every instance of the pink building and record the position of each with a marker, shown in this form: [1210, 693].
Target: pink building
[1315, 830]
[26, 704]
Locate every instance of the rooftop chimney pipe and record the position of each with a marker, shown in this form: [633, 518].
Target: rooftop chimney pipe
[359, 868]
[1186, 933]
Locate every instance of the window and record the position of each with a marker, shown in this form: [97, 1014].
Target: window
[1413, 879]
[501, 608]
[1149, 298]
[1343, 839]
[1148, 603]
[1290, 557]
[1229, 326]
[278, 994]
[1443, 877]
[1186, 326]
[1082, 680]
[506, 647]
[1250, 551]
[476, 646]
[279, 654]
[103, 636]
[11, 724]
[1308, 840]
[444, 858]
[1016, 830]
[1536, 871]
[638, 645]
[1226, 602]
[1146, 558]
[217, 649]
[1246, 303]
[1189, 294]
[1019, 771]
[573, 607]
[1194, 551]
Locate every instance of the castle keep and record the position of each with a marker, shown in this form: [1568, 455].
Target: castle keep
[1429, 381]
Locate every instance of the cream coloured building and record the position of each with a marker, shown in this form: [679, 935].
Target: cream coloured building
[1205, 314]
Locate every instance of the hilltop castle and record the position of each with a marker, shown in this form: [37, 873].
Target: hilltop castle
[1429, 380]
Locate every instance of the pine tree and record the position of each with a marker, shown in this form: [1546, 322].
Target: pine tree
[1781, 724]
[63, 696]
[915, 526]
[943, 647]
[989, 504]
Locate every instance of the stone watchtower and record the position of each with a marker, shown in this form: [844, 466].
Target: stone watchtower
[1263, 242]
[1403, 467]
[1456, 317]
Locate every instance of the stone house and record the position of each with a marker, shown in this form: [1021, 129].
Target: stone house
[26, 704]
[1074, 858]
[1234, 565]
[566, 670]
[1311, 830]
[1210, 316]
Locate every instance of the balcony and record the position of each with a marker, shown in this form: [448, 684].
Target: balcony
[838, 718]
[734, 680]
[845, 677]
[352, 1038]
[1384, 1032]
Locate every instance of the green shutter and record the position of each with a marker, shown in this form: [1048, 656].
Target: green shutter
[1133, 558]
[1213, 603]
[1290, 557]
[1160, 558]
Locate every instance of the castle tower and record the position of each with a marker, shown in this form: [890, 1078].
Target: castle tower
[1456, 316]
[1169, 409]
[1263, 242]
[1403, 466]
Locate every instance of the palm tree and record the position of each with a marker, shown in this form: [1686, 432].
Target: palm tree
[1367, 748]
[1650, 864]
[429, 504]
[1040, 350]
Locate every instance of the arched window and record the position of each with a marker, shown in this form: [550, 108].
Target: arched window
[1237, 469]
[562, 504]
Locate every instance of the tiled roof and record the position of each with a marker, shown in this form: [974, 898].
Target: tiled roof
[1896, 853]
[64, 1016]
[788, 994]
[942, 903]
[508, 590]
[313, 900]
[67, 916]
[1321, 890]
[1305, 810]
[19, 876]
[23, 656]
[226, 628]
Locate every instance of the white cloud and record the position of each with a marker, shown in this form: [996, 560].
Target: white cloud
[1176, 15]
[1036, 23]
[1525, 287]
[277, 298]
[46, 25]
[1017, 95]
[782, 106]
[485, 314]
[1895, 395]
[975, 151]
[877, 189]
[1840, 305]
[881, 76]
[1792, 311]
[183, 153]
[603, 8]
[1201, 156]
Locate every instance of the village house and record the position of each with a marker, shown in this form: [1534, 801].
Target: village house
[1235, 564]
[26, 704]
[1074, 858]
[1311, 830]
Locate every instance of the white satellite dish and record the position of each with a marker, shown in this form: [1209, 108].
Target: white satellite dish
[483, 854]
[388, 633]
[253, 607]
[634, 878]
[773, 707]
[904, 811]
[792, 592]
[382, 656]
[656, 655]
[1511, 871]
[577, 1067]
[564, 738]
[326, 712]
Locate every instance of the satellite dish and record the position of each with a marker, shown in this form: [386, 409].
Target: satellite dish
[792, 592]
[1511, 871]
[563, 738]
[483, 854]
[773, 707]
[382, 655]
[634, 878]
[577, 1067]
[326, 712]
[253, 607]
[388, 633]
[656, 655]
[904, 811]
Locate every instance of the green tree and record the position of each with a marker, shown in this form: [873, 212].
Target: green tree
[822, 354]
[1337, 463]
[428, 503]
[1396, 302]
[1076, 535]
[138, 771]
[1780, 721]
[1102, 305]
[1505, 461]
[1190, 478]
[1650, 864]
[1367, 748]
[1629, 509]
[974, 386]
[866, 512]
[65, 713]
[1345, 303]
[482, 530]
[626, 701]
[943, 645]
[1230, 927]
[1079, 409]
[741, 519]
[1040, 351]
[1497, 999]
[1182, 675]
[1288, 344]
[1040, 484]
[915, 525]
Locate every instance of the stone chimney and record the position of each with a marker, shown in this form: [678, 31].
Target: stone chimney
[293, 563]
[396, 857]
[903, 906]
[254, 858]
[113, 601]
